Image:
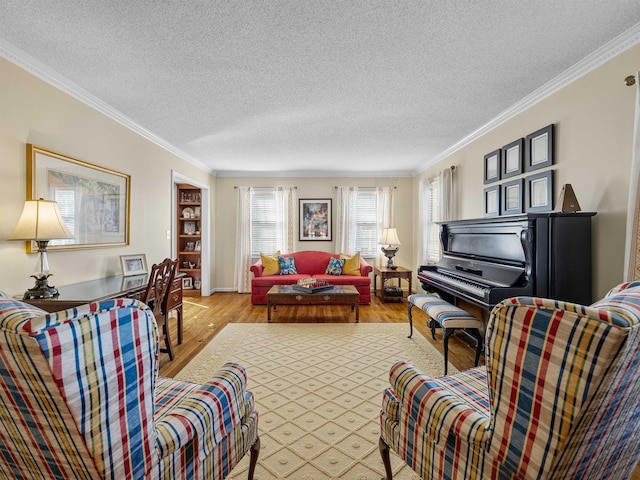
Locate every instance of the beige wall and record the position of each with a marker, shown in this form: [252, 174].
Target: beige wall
[593, 118]
[32, 111]
[594, 134]
[316, 187]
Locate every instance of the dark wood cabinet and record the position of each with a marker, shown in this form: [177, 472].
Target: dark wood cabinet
[189, 237]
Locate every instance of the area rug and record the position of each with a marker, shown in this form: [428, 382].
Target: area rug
[318, 390]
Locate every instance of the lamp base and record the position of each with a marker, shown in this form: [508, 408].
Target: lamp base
[42, 289]
[390, 252]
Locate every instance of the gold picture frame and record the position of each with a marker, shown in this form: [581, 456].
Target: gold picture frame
[93, 200]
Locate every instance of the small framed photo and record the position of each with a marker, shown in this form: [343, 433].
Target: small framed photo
[492, 201]
[315, 219]
[196, 284]
[492, 166]
[511, 197]
[134, 264]
[539, 146]
[198, 246]
[187, 283]
[190, 228]
[512, 158]
[539, 192]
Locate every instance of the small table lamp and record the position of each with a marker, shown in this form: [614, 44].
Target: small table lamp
[390, 243]
[40, 221]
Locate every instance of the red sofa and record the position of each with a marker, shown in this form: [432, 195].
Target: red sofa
[310, 263]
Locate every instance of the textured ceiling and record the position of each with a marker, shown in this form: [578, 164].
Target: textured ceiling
[341, 87]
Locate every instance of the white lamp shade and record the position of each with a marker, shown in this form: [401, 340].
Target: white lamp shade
[389, 237]
[40, 220]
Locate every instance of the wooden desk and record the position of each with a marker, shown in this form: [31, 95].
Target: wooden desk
[387, 274]
[107, 288]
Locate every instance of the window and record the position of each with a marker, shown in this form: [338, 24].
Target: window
[367, 222]
[433, 215]
[264, 226]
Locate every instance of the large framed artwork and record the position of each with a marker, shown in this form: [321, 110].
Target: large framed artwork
[315, 219]
[539, 146]
[93, 200]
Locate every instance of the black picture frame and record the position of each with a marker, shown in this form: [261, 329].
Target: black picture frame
[512, 155]
[492, 166]
[492, 201]
[539, 192]
[511, 197]
[539, 147]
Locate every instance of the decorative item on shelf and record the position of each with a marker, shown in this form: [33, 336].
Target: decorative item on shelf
[390, 243]
[189, 247]
[568, 201]
[189, 228]
[187, 283]
[198, 246]
[196, 284]
[188, 213]
[41, 221]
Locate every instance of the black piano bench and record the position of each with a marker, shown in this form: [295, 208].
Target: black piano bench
[449, 317]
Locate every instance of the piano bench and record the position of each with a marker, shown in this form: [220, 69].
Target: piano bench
[449, 317]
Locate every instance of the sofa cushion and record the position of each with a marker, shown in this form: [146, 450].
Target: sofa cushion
[270, 264]
[287, 265]
[335, 266]
[351, 264]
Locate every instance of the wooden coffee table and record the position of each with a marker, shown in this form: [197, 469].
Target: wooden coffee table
[338, 295]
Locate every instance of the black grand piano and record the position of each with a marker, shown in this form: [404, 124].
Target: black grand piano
[487, 260]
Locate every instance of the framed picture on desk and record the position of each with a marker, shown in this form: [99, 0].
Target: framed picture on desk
[134, 264]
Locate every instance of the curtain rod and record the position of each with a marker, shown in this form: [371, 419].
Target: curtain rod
[336, 186]
[295, 187]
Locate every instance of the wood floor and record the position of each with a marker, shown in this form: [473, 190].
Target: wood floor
[204, 317]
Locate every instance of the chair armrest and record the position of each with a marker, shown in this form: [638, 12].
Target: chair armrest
[207, 414]
[257, 268]
[434, 409]
[365, 267]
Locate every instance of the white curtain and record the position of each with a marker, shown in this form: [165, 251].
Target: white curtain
[632, 248]
[242, 276]
[284, 218]
[446, 195]
[385, 213]
[424, 194]
[346, 219]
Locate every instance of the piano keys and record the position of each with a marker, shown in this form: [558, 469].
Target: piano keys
[487, 260]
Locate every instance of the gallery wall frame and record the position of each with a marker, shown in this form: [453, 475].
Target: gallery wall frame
[492, 166]
[315, 219]
[94, 201]
[539, 147]
[492, 201]
[511, 197]
[512, 155]
[539, 192]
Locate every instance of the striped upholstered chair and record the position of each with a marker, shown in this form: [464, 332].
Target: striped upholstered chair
[80, 398]
[559, 397]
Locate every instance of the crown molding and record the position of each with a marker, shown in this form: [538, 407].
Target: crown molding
[615, 47]
[25, 61]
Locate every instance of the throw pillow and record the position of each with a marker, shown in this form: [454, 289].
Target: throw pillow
[351, 264]
[287, 266]
[335, 266]
[270, 265]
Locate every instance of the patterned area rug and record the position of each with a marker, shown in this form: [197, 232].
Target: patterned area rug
[318, 390]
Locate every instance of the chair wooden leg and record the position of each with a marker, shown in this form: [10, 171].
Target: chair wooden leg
[384, 453]
[167, 340]
[253, 460]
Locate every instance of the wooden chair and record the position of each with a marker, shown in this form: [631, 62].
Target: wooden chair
[157, 297]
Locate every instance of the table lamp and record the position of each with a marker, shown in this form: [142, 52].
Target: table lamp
[40, 221]
[390, 243]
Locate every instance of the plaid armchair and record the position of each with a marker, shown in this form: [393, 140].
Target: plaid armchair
[559, 397]
[80, 398]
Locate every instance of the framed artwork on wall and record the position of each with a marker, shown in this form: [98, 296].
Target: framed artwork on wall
[315, 219]
[511, 197]
[492, 201]
[539, 192]
[512, 155]
[492, 166]
[93, 200]
[539, 147]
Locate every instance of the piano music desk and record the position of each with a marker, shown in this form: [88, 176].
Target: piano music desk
[388, 274]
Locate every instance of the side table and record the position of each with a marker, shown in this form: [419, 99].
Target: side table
[387, 274]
